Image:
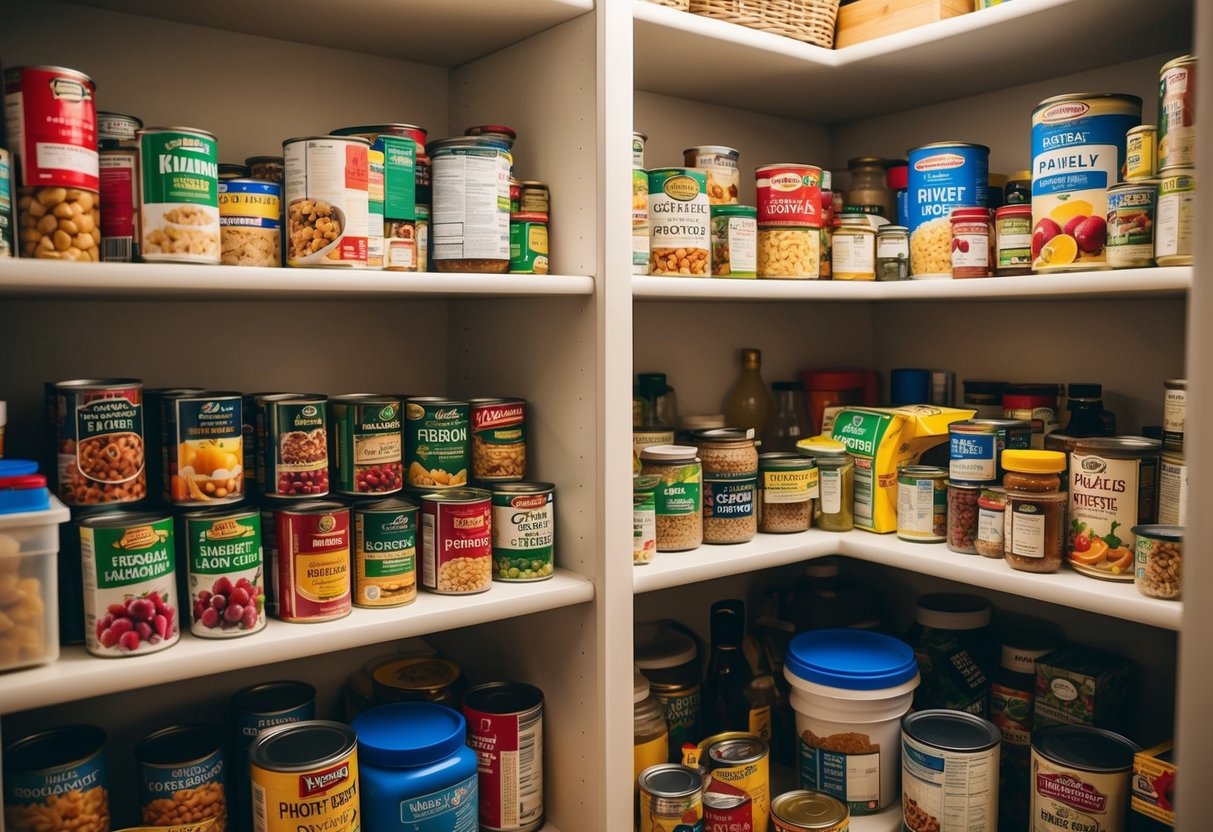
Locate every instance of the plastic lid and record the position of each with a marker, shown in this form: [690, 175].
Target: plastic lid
[953, 611]
[662, 648]
[835, 379]
[22, 482]
[787, 385]
[1022, 659]
[851, 659]
[898, 176]
[17, 467]
[821, 446]
[409, 734]
[1084, 747]
[1084, 390]
[669, 453]
[1034, 462]
[640, 686]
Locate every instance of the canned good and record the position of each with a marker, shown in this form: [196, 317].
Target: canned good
[99, 441]
[292, 433]
[789, 195]
[495, 132]
[181, 776]
[1177, 114]
[787, 487]
[524, 524]
[367, 444]
[853, 248]
[972, 239]
[1141, 153]
[1175, 227]
[385, 553]
[679, 222]
[644, 518]
[1174, 413]
[726, 807]
[671, 798]
[254, 710]
[638, 142]
[119, 191]
[505, 729]
[6, 203]
[529, 247]
[1131, 224]
[949, 772]
[678, 498]
[719, 165]
[976, 446]
[942, 176]
[498, 439]
[178, 195]
[424, 249]
[419, 679]
[730, 484]
[305, 770]
[922, 504]
[117, 130]
[742, 760]
[534, 197]
[56, 780]
[734, 241]
[640, 221]
[226, 570]
[1158, 560]
[456, 541]
[1172, 489]
[422, 173]
[203, 441]
[793, 253]
[391, 194]
[471, 209]
[436, 442]
[312, 562]
[250, 223]
[327, 204]
[991, 520]
[1080, 771]
[233, 170]
[400, 242]
[1013, 240]
[807, 811]
[1113, 487]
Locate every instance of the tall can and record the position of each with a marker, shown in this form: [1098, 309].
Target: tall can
[1175, 228]
[254, 710]
[505, 729]
[1141, 153]
[327, 202]
[226, 572]
[470, 222]
[202, 437]
[119, 186]
[312, 562]
[949, 772]
[680, 232]
[1177, 114]
[498, 439]
[292, 431]
[306, 770]
[741, 760]
[456, 541]
[436, 450]
[101, 454]
[385, 553]
[182, 777]
[178, 195]
[57, 779]
[942, 176]
[250, 222]
[366, 452]
[524, 528]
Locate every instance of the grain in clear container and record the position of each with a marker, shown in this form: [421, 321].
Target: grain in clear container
[679, 495]
[787, 488]
[730, 481]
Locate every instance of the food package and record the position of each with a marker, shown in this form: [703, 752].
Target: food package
[1153, 800]
[1081, 686]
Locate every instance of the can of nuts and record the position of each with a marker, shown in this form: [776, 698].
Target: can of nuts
[305, 770]
[436, 442]
[226, 572]
[498, 439]
[680, 217]
[99, 440]
[385, 553]
[505, 729]
[254, 710]
[52, 126]
[312, 561]
[809, 811]
[6, 203]
[719, 164]
[327, 205]
[671, 798]
[922, 504]
[178, 195]
[181, 776]
[456, 541]
[292, 434]
[57, 779]
[366, 451]
[203, 442]
[524, 525]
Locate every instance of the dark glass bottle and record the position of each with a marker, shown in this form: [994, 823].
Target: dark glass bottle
[1087, 414]
[725, 705]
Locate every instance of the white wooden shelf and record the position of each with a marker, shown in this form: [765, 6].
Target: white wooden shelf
[1004, 46]
[1156, 282]
[48, 278]
[78, 675]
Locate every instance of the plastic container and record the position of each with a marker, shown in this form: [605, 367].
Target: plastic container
[29, 549]
[415, 767]
[650, 731]
[850, 689]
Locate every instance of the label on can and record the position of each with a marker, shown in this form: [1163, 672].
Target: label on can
[119, 184]
[1131, 225]
[327, 209]
[948, 791]
[436, 442]
[179, 196]
[850, 776]
[1013, 241]
[523, 531]
[1141, 153]
[509, 755]
[385, 556]
[52, 124]
[250, 220]
[367, 445]
[6, 204]
[101, 449]
[374, 192]
[456, 545]
[447, 810]
[974, 456]
[922, 508]
[854, 254]
[226, 573]
[644, 523]
[727, 808]
[734, 246]
[1177, 115]
[1172, 491]
[1108, 497]
[313, 564]
[499, 440]
[789, 196]
[471, 210]
[326, 796]
[1065, 798]
[1174, 412]
[640, 221]
[204, 448]
[194, 789]
[1175, 230]
[941, 177]
[754, 780]
[295, 448]
[679, 222]
[55, 797]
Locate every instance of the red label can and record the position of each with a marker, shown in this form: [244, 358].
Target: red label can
[789, 195]
[505, 729]
[457, 541]
[52, 124]
[727, 808]
[312, 544]
[119, 189]
[498, 439]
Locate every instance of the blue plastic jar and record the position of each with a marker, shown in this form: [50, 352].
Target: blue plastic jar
[417, 772]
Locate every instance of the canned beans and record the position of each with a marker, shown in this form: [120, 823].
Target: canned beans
[99, 429]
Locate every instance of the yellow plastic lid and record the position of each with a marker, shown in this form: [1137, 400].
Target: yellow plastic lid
[1034, 462]
[820, 445]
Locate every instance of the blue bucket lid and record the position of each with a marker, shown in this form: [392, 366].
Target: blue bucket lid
[851, 659]
[409, 734]
[17, 467]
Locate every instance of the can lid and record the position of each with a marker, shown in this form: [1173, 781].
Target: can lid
[851, 659]
[724, 435]
[274, 697]
[503, 698]
[952, 730]
[718, 149]
[1160, 531]
[297, 746]
[785, 461]
[970, 214]
[809, 810]
[1033, 462]
[660, 648]
[179, 744]
[888, 230]
[1085, 747]
[409, 734]
[671, 780]
[953, 611]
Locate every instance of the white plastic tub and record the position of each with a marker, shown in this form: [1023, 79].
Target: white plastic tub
[29, 605]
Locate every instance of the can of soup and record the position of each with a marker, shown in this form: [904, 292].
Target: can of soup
[1080, 772]
[436, 449]
[203, 447]
[226, 572]
[471, 210]
[671, 798]
[942, 176]
[56, 780]
[524, 524]
[385, 553]
[789, 195]
[312, 562]
[181, 776]
[456, 541]
[505, 729]
[178, 195]
[292, 433]
[1177, 114]
[367, 444]
[327, 204]
[99, 440]
[254, 710]
[949, 772]
[306, 770]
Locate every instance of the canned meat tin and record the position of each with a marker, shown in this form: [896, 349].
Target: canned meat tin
[742, 760]
[498, 439]
[57, 780]
[942, 176]
[436, 442]
[1131, 224]
[254, 710]
[524, 527]
[671, 798]
[327, 204]
[312, 563]
[470, 223]
[250, 222]
[99, 441]
[505, 729]
[367, 444]
[306, 772]
[178, 195]
[6, 204]
[1080, 773]
[203, 445]
[456, 541]
[293, 433]
[1177, 114]
[385, 553]
[808, 811]
[226, 569]
[680, 237]
[949, 772]
[1175, 228]
[181, 776]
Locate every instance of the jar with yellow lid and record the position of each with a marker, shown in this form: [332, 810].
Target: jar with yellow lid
[835, 509]
[1035, 514]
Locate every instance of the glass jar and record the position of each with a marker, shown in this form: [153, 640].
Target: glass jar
[1018, 190]
[835, 509]
[963, 520]
[650, 731]
[869, 192]
[1034, 531]
[679, 496]
[1084, 403]
[991, 511]
[787, 486]
[893, 253]
[669, 659]
[985, 397]
[1013, 240]
[730, 479]
[853, 250]
[790, 421]
[971, 239]
[658, 402]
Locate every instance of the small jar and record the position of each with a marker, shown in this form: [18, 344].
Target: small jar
[835, 510]
[1036, 510]
[971, 237]
[893, 253]
[650, 731]
[991, 510]
[679, 495]
[1013, 240]
[853, 250]
[963, 498]
[869, 191]
[734, 241]
[730, 480]
[1158, 560]
[787, 486]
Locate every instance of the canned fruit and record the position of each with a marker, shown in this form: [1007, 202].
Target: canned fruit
[226, 582]
[227, 605]
[204, 447]
[379, 479]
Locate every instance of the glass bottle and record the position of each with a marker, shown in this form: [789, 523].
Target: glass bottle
[748, 404]
[790, 421]
[835, 511]
[725, 706]
[1034, 536]
[651, 734]
[659, 405]
[869, 191]
[1087, 414]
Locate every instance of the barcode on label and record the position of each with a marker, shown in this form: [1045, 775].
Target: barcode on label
[116, 249]
[260, 821]
[530, 767]
[429, 567]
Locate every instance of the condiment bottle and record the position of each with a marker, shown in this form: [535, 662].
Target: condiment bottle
[1084, 402]
[869, 193]
[659, 405]
[748, 404]
[1036, 510]
[1035, 404]
[835, 510]
[650, 734]
[725, 704]
[790, 422]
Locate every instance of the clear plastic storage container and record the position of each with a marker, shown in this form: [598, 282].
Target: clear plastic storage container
[29, 547]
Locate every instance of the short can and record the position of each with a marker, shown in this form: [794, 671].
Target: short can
[1141, 153]
[949, 772]
[1174, 413]
[719, 165]
[976, 446]
[256, 709]
[182, 777]
[809, 811]
[250, 223]
[505, 729]
[327, 204]
[457, 541]
[226, 572]
[470, 224]
[119, 192]
[1177, 114]
[1113, 487]
[312, 566]
[1013, 240]
[787, 488]
[6, 204]
[972, 241]
[57, 779]
[436, 448]
[1172, 489]
[292, 434]
[367, 444]
[305, 770]
[671, 798]
[530, 251]
[789, 252]
[130, 583]
[640, 221]
[942, 176]
[419, 679]
[524, 530]
[1078, 770]
[385, 553]
[922, 504]
[679, 223]
[499, 429]
[203, 447]
[644, 519]
[1158, 569]
[1175, 218]
[789, 195]
[534, 197]
[99, 441]
[638, 142]
[741, 760]
[1131, 224]
[178, 195]
[734, 241]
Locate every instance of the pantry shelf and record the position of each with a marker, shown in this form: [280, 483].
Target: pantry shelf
[49, 279]
[944, 61]
[78, 675]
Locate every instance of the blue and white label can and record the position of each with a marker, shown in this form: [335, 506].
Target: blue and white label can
[942, 176]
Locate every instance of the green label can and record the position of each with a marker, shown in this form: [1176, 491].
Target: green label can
[226, 563]
[529, 244]
[524, 522]
[293, 432]
[203, 442]
[179, 195]
[1131, 224]
[644, 518]
[436, 447]
[385, 553]
[367, 444]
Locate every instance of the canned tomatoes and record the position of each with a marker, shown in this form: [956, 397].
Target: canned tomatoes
[129, 569]
[181, 777]
[505, 729]
[949, 772]
[789, 195]
[1177, 114]
[254, 710]
[366, 449]
[498, 439]
[456, 541]
[226, 572]
[942, 176]
[327, 205]
[312, 567]
[178, 195]
[1175, 232]
[1131, 224]
[203, 436]
[99, 440]
[293, 436]
[671, 798]
[524, 524]
[385, 553]
[305, 773]
[57, 780]
[806, 811]
[436, 442]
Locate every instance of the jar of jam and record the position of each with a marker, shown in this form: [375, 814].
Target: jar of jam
[971, 236]
[1035, 510]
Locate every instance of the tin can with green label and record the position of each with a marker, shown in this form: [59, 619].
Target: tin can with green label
[385, 553]
[436, 448]
[678, 497]
[292, 432]
[367, 444]
[524, 524]
[226, 572]
[178, 195]
[529, 248]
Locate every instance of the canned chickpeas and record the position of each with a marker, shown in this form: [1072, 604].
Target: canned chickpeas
[327, 203]
[181, 776]
[456, 541]
[498, 439]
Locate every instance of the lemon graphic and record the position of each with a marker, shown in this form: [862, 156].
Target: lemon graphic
[1067, 211]
[1059, 251]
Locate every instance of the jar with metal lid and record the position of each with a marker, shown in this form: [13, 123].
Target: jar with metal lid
[991, 513]
[853, 252]
[893, 252]
[470, 217]
[1013, 240]
[963, 498]
[692, 423]
[869, 192]
[835, 509]
[669, 658]
[730, 479]
[499, 132]
[734, 241]
[787, 488]
[1035, 510]
[679, 495]
[971, 238]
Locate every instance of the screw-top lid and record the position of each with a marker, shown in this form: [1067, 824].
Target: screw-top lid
[1081, 390]
[17, 467]
[668, 453]
[821, 446]
[898, 176]
[1034, 462]
[851, 659]
[652, 384]
[953, 611]
[734, 211]
[409, 734]
[972, 213]
[658, 647]
[640, 686]
[751, 358]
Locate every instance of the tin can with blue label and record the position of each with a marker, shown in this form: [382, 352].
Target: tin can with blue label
[254, 710]
[57, 780]
[922, 504]
[977, 444]
[250, 223]
[181, 776]
[942, 176]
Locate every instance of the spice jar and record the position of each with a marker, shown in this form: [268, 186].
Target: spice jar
[991, 510]
[1013, 240]
[963, 498]
[1035, 525]
[893, 253]
[678, 499]
[971, 236]
[835, 510]
[854, 248]
[787, 486]
[730, 478]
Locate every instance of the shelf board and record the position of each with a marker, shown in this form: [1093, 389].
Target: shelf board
[1156, 282]
[438, 32]
[944, 61]
[1064, 588]
[78, 675]
[54, 279]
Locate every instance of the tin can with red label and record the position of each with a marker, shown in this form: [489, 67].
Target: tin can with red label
[313, 562]
[505, 729]
[789, 195]
[119, 185]
[727, 808]
[457, 541]
[498, 439]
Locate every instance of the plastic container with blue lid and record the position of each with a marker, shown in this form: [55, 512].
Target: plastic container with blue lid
[417, 772]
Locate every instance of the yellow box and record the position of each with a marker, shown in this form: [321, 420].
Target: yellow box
[1154, 785]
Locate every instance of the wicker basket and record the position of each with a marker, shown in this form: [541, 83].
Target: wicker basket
[811, 21]
[682, 5]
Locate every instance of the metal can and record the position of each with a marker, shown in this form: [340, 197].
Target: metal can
[6, 204]
[671, 798]
[505, 729]
[734, 241]
[202, 435]
[385, 553]
[789, 195]
[922, 504]
[1175, 227]
[181, 776]
[972, 241]
[949, 772]
[1177, 114]
[226, 572]
[119, 192]
[457, 541]
[991, 522]
[1084, 771]
[254, 710]
[130, 584]
[789, 252]
[367, 444]
[424, 249]
[327, 205]
[679, 223]
[742, 760]
[99, 441]
[976, 446]
[638, 143]
[1141, 153]
[312, 566]
[178, 195]
[292, 434]
[1013, 240]
[305, 770]
[250, 222]
[808, 811]
[471, 209]
[534, 197]
[640, 221]
[524, 527]
[56, 780]
[392, 192]
[419, 679]
[1131, 224]
[498, 439]
[436, 449]
[644, 518]
[117, 130]
[942, 176]
[1113, 487]
[1174, 413]
[719, 165]
[422, 173]
[530, 250]
[1158, 560]
[1172, 489]
[233, 170]
[727, 808]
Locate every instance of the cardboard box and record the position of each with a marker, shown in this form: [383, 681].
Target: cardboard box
[868, 19]
[1081, 686]
[1153, 789]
